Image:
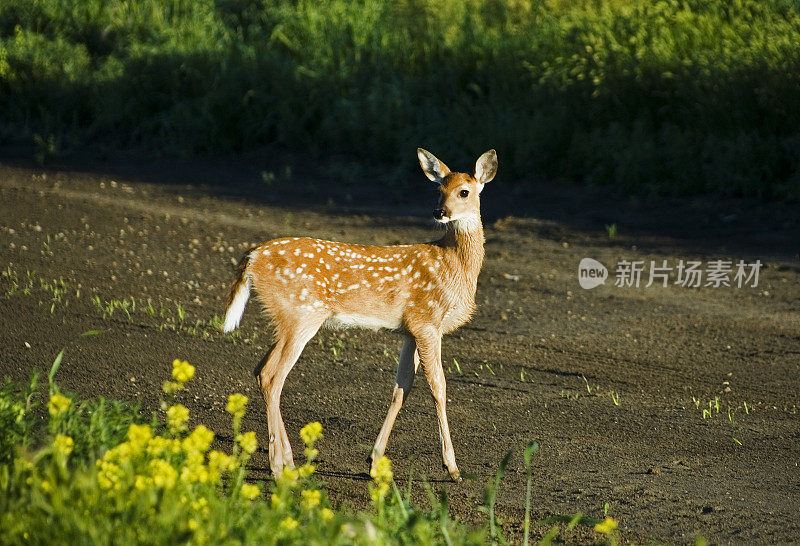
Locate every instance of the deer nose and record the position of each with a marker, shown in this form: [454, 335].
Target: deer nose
[438, 213]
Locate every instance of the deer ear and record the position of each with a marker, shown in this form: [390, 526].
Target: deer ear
[434, 169]
[486, 167]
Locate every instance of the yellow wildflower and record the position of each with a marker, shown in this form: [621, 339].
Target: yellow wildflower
[220, 462]
[276, 501]
[170, 387]
[382, 471]
[195, 472]
[288, 477]
[306, 470]
[182, 371]
[248, 442]
[63, 444]
[163, 474]
[199, 440]
[236, 405]
[159, 445]
[139, 436]
[311, 433]
[289, 523]
[311, 498]
[326, 513]
[109, 475]
[250, 491]
[177, 416]
[382, 475]
[607, 527]
[58, 404]
[119, 453]
[142, 482]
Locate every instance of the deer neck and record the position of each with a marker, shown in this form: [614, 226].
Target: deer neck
[463, 245]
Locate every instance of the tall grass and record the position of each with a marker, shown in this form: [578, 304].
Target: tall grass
[675, 96]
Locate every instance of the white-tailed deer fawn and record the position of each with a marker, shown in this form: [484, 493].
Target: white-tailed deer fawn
[422, 290]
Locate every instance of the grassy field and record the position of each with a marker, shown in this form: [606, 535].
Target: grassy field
[669, 97]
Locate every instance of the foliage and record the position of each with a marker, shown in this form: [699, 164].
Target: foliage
[674, 96]
[16, 417]
[103, 476]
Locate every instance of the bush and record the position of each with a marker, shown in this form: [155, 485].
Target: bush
[675, 96]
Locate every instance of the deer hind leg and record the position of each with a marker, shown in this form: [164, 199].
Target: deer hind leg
[264, 379]
[429, 347]
[292, 338]
[406, 368]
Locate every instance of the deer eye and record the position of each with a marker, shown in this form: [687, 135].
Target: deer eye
[463, 193]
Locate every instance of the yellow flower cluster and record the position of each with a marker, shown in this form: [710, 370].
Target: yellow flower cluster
[109, 474]
[247, 441]
[311, 433]
[289, 523]
[160, 446]
[199, 440]
[63, 444]
[182, 371]
[288, 478]
[162, 473]
[236, 405]
[249, 491]
[607, 527]
[139, 436]
[160, 462]
[219, 462]
[58, 404]
[382, 475]
[177, 416]
[311, 498]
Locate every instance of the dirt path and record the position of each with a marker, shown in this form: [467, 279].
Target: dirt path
[612, 382]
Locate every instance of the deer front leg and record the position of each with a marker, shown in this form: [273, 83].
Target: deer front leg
[429, 347]
[406, 368]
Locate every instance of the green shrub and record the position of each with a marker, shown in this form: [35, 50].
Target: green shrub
[674, 96]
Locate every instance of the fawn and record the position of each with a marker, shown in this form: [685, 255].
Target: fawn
[421, 290]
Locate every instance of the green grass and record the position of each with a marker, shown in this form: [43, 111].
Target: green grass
[675, 97]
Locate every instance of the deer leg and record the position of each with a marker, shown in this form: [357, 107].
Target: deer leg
[406, 368]
[280, 361]
[429, 347]
[264, 379]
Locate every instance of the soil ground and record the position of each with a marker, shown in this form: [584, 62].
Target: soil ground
[542, 360]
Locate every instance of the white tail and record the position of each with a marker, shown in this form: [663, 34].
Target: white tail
[239, 297]
[421, 290]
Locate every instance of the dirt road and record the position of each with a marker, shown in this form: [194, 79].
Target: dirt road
[675, 405]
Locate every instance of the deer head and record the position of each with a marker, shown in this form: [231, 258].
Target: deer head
[459, 199]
